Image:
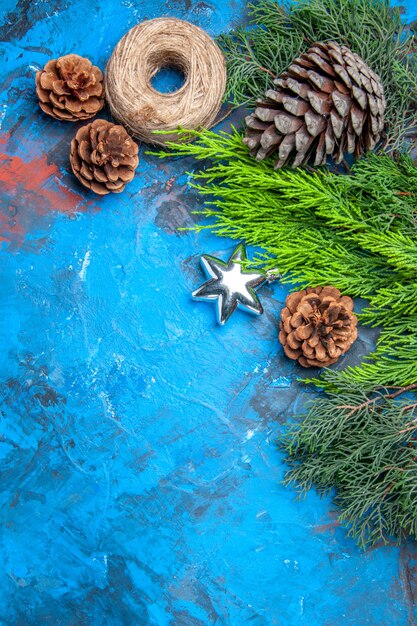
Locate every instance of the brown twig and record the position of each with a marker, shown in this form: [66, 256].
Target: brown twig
[264, 69]
[408, 407]
[389, 396]
[399, 469]
[407, 430]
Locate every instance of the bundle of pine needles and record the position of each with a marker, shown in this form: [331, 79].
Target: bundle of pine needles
[357, 232]
[360, 441]
[280, 30]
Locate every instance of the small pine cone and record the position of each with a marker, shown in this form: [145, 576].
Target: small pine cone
[317, 326]
[104, 157]
[328, 103]
[70, 88]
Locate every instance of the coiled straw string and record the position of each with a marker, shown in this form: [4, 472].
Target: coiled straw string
[140, 54]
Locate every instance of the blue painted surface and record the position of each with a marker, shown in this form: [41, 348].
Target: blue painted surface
[140, 482]
[168, 79]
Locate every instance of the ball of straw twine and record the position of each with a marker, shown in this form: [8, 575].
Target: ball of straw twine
[140, 54]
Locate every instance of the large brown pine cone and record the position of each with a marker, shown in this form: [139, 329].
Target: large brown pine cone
[317, 326]
[328, 103]
[70, 88]
[104, 157]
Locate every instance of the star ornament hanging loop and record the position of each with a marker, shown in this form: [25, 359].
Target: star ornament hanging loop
[230, 286]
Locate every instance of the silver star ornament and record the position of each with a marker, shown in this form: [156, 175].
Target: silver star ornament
[229, 286]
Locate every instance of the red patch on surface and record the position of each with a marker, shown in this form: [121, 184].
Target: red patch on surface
[29, 191]
[169, 183]
[324, 528]
[329, 526]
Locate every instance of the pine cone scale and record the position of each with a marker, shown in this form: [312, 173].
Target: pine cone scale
[265, 115]
[295, 106]
[297, 72]
[60, 89]
[320, 102]
[297, 88]
[84, 151]
[360, 97]
[73, 105]
[99, 175]
[86, 172]
[323, 83]
[341, 102]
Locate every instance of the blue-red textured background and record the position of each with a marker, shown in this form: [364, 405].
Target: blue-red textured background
[140, 482]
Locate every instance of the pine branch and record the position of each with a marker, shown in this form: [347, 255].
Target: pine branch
[358, 233]
[281, 30]
[360, 442]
